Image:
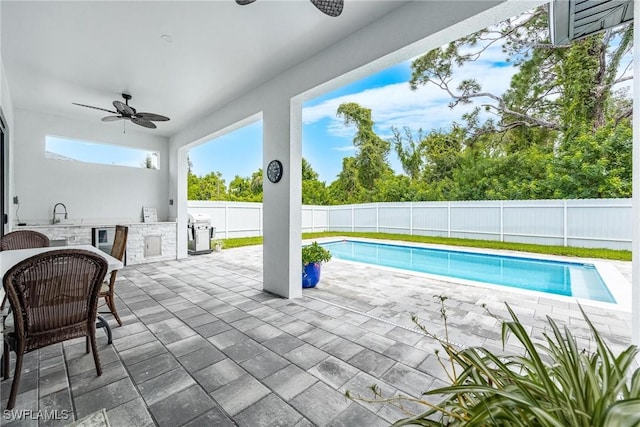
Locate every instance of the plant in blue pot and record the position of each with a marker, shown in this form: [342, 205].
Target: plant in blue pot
[313, 256]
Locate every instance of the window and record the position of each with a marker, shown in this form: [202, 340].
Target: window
[92, 152]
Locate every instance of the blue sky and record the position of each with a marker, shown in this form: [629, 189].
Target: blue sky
[240, 152]
[325, 139]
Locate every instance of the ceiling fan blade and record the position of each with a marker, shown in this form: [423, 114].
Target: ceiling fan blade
[142, 122]
[123, 108]
[95, 108]
[244, 2]
[112, 118]
[330, 7]
[152, 117]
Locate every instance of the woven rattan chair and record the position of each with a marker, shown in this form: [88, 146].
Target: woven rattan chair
[22, 239]
[108, 287]
[54, 298]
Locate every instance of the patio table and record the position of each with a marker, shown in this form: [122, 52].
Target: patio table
[11, 257]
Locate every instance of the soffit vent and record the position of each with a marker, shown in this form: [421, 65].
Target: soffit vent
[575, 19]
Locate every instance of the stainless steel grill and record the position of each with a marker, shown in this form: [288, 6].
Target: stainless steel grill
[200, 234]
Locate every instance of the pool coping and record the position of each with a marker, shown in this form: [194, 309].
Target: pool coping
[616, 283]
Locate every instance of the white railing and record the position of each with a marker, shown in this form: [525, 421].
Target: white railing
[602, 223]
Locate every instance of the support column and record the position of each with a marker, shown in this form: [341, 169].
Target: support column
[178, 171]
[282, 216]
[635, 240]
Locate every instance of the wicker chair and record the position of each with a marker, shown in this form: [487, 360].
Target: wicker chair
[22, 239]
[117, 251]
[54, 298]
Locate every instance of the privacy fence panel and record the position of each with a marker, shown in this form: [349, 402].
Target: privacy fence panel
[534, 221]
[314, 218]
[431, 219]
[341, 218]
[597, 223]
[394, 218]
[475, 220]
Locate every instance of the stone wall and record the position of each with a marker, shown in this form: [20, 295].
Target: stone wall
[137, 240]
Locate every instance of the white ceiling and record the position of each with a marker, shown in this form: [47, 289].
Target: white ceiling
[89, 52]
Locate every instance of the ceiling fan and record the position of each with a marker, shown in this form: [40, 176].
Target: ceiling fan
[125, 112]
[330, 7]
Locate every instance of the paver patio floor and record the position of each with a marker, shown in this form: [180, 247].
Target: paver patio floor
[203, 345]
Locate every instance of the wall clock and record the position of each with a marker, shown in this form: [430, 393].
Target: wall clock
[274, 171]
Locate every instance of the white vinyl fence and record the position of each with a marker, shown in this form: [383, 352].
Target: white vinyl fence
[594, 223]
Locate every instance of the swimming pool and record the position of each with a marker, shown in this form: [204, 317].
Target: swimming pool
[555, 277]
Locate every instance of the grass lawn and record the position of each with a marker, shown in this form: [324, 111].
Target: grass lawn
[524, 247]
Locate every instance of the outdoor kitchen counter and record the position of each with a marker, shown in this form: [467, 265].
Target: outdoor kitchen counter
[146, 242]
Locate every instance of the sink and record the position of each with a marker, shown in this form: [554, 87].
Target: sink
[63, 221]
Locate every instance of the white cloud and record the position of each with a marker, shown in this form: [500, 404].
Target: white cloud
[427, 108]
[345, 148]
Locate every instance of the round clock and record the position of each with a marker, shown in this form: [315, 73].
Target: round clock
[274, 171]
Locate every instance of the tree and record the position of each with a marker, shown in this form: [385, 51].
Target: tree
[372, 151]
[256, 183]
[409, 150]
[556, 88]
[347, 188]
[208, 187]
[239, 188]
[314, 191]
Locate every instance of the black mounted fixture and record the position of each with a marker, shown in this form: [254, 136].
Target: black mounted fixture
[126, 112]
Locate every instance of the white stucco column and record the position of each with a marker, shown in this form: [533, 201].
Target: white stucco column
[635, 241]
[282, 217]
[178, 193]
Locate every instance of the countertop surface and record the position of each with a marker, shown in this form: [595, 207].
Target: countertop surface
[89, 224]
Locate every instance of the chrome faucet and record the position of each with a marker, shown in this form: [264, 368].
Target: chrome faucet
[57, 220]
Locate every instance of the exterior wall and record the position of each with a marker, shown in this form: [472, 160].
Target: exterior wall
[91, 192]
[6, 106]
[601, 223]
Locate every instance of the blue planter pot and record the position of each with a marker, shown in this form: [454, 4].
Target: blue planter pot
[311, 275]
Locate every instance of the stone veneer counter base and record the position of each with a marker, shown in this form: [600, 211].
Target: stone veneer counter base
[141, 236]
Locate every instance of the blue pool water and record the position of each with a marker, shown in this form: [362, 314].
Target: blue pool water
[561, 278]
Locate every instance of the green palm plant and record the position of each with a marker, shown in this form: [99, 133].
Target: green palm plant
[553, 384]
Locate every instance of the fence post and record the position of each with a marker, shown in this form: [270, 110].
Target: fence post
[501, 220]
[226, 220]
[353, 218]
[377, 217]
[260, 213]
[448, 219]
[411, 218]
[313, 218]
[564, 227]
[327, 219]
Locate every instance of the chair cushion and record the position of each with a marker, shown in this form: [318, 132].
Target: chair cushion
[104, 288]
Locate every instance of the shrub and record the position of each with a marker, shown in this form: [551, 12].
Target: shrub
[314, 253]
[553, 383]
